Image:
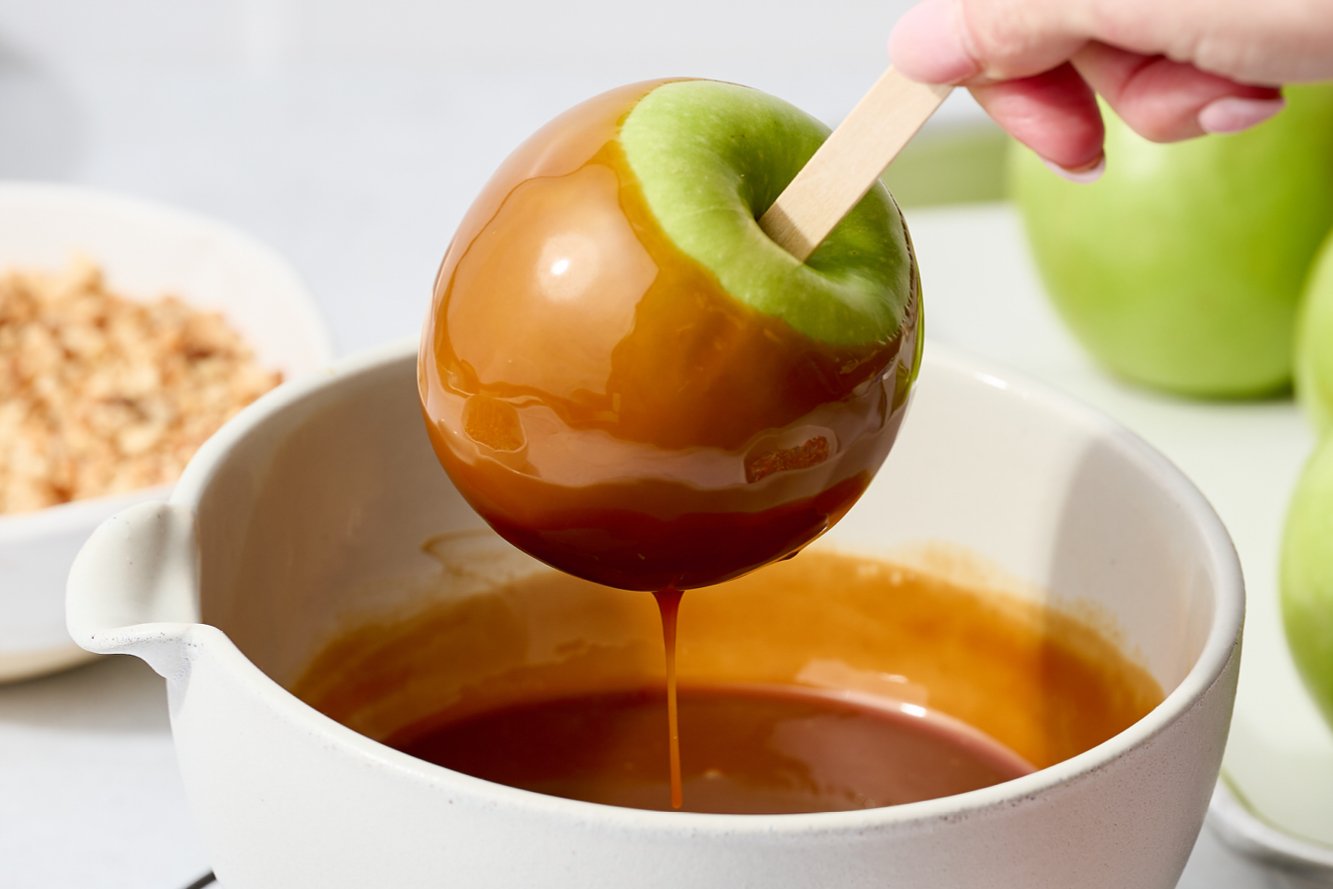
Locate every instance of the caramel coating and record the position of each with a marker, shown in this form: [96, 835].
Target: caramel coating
[607, 408]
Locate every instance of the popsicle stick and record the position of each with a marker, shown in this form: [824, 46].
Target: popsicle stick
[850, 160]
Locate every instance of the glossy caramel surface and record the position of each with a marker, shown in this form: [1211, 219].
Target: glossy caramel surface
[748, 750]
[606, 407]
[1044, 684]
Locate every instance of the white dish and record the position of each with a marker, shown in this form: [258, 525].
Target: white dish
[146, 250]
[1244, 456]
[314, 503]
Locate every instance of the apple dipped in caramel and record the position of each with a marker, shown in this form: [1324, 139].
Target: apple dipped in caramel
[628, 380]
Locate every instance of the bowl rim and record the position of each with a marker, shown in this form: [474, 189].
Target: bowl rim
[1221, 645]
[19, 527]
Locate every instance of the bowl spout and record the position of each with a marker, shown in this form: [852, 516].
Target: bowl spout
[133, 587]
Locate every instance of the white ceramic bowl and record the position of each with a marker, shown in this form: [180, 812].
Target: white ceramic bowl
[313, 504]
[146, 251]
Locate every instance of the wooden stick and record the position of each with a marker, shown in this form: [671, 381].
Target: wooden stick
[848, 163]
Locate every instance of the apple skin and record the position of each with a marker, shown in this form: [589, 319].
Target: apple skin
[711, 157]
[643, 403]
[1181, 269]
[1314, 342]
[1307, 577]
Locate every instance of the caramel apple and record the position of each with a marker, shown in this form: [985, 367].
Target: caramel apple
[628, 380]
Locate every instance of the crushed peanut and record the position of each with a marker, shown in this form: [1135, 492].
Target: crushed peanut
[101, 394]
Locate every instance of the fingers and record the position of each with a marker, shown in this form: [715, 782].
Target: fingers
[964, 41]
[1054, 113]
[1167, 101]
[1179, 68]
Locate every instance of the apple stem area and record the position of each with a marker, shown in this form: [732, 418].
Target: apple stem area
[850, 161]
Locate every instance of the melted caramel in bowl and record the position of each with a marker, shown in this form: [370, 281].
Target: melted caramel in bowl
[749, 750]
[827, 681]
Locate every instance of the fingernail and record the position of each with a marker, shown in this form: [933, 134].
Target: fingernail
[929, 44]
[1082, 175]
[1234, 114]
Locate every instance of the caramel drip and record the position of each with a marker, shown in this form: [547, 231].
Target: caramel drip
[668, 605]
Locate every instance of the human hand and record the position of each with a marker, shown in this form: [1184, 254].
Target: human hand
[1172, 69]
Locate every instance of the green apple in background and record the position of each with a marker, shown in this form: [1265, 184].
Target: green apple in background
[1307, 577]
[1182, 268]
[1314, 342]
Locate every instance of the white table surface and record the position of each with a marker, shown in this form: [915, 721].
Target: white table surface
[350, 136]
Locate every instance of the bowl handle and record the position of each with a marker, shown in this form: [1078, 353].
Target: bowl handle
[132, 587]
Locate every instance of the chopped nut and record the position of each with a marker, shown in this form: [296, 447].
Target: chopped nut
[101, 394]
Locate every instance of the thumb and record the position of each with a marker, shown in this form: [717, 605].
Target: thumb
[934, 41]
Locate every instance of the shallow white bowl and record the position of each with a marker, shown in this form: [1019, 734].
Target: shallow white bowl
[314, 504]
[146, 250]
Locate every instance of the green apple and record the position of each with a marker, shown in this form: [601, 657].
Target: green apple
[628, 379]
[711, 157]
[1182, 267]
[1307, 577]
[1314, 342]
